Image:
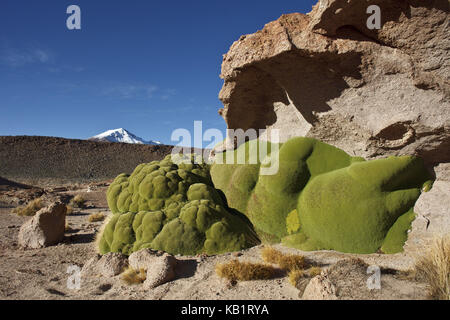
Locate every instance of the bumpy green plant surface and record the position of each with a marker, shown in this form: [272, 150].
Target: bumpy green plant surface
[319, 198]
[172, 207]
[322, 198]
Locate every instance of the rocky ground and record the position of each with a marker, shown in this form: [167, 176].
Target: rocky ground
[43, 273]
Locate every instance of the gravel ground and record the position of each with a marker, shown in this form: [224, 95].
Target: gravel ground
[43, 273]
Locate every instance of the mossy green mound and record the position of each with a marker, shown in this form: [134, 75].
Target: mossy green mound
[361, 208]
[172, 207]
[157, 185]
[318, 198]
[322, 198]
[268, 199]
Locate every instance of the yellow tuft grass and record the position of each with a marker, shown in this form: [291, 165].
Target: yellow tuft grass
[295, 276]
[245, 271]
[30, 209]
[287, 262]
[78, 202]
[314, 271]
[96, 217]
[434, 267]
[69, 209]
[131, 276]
[99, 234]
[67, 227]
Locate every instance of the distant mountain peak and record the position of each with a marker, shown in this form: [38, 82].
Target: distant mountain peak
[121, 135]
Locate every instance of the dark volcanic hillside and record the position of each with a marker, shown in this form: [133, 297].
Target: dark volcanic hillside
[37, 159]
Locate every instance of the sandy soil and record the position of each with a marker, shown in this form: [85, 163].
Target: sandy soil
[42, 273]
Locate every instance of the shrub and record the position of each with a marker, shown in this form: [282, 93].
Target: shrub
[295, 276]
[30, 209]
[245, 271]
[434, 267]
[78, 202]
[314, 271]
[69, 209]
[287, 262]
[132, 276]
[96, 217]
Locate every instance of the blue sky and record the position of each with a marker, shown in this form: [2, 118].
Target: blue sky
[147, 66]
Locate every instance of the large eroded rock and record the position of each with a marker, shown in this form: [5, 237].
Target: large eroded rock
[46, 228]
[372, 93]
[327, 76]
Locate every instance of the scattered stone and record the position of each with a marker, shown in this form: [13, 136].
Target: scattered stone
[231, 284]
[101, 289]
[56, 292]
[320, 288]
[105, 287]
[46, 228]
[160, 266]
[202, 257]
[90, 267]
[143, 259]
[112, 264]
[109, 265]
[162, 271]
[301, 285]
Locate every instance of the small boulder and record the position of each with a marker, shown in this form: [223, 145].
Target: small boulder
[320, 288]
[143, 259]
[162, 270]
[112, 264]
[46, 228]
[90, 267]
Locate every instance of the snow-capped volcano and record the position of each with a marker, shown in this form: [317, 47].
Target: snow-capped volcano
[123, 136]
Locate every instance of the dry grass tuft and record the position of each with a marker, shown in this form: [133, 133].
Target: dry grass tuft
[287, 262]
[78, 202]
[295, 276]
[30, 209]
[132, 277]
[434, 267]
[271, 255]
[69, 209]
[245, 271]
[99, 234]
[96, 217]
[67, 227]
[315, 271]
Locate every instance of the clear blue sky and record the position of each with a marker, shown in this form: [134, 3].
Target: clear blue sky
[147, 66]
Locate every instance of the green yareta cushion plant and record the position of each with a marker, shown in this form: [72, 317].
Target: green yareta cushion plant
[318, 198]
[175, 208]
[322, 198]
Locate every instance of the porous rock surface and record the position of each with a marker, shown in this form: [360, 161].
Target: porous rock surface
[161, 271]
[108, 265]
[112, 264]
[326, 75]
[143, 259]
[320, 288]
[46, 228]
[372, 93]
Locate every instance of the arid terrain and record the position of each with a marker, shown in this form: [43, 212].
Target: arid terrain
[38, 160]
[42, 273]
[363, 116]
